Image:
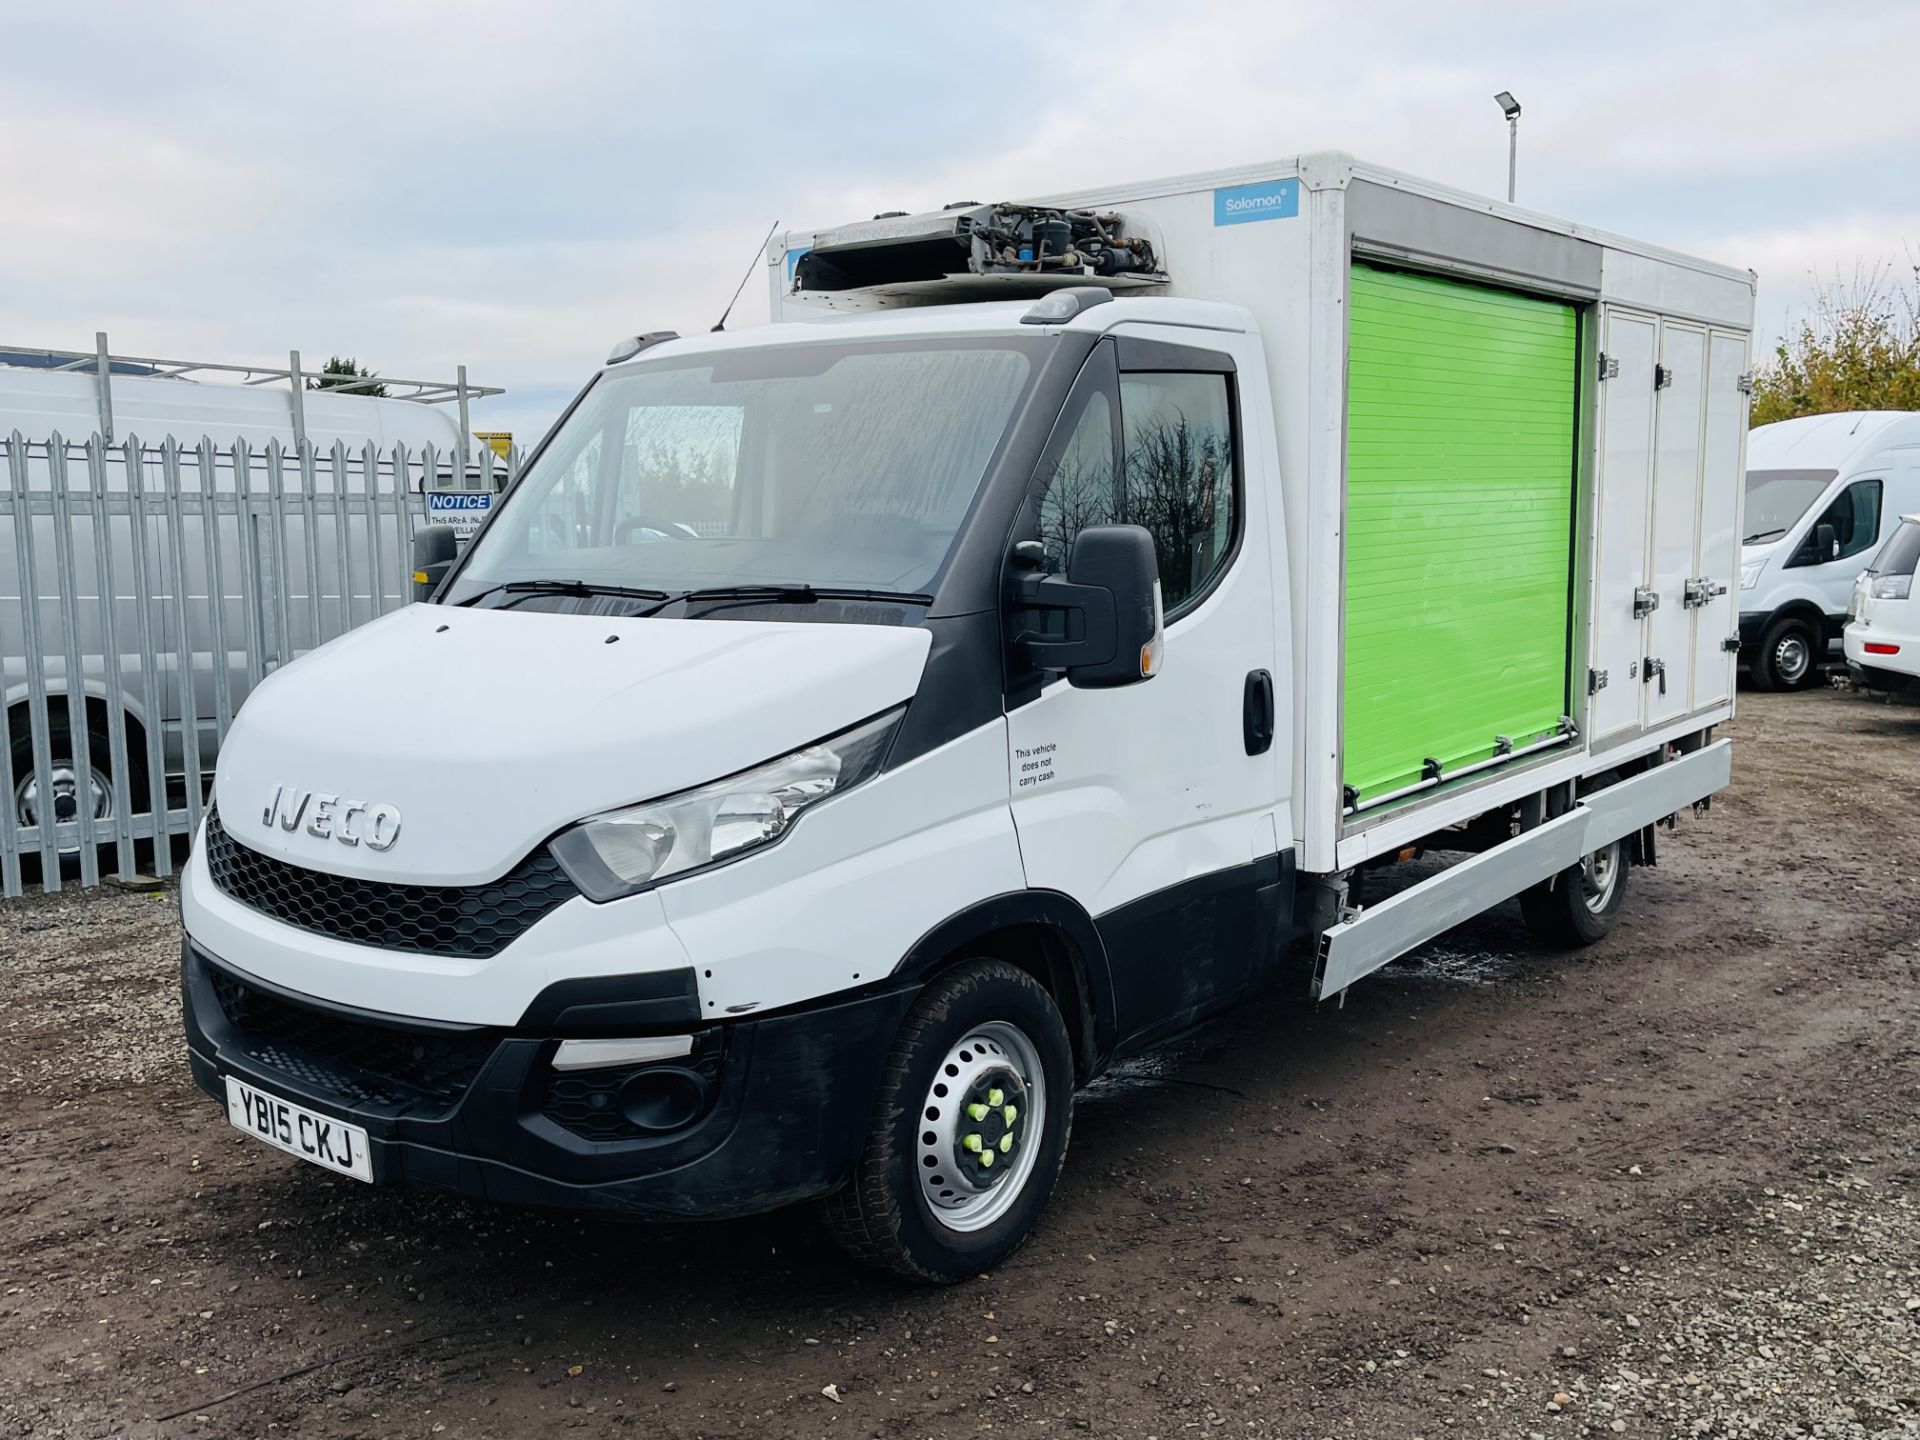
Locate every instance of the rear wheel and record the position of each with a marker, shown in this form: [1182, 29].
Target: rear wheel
[1577, 906]
[968, 1133]
[1789, 657]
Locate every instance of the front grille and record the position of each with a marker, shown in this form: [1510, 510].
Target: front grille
[360, 1062]
[467, 920]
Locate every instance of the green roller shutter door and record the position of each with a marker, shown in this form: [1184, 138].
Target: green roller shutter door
[1460, 428]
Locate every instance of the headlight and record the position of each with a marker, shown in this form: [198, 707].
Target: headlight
[629, 850]
[1750, 574]
[1891, 587]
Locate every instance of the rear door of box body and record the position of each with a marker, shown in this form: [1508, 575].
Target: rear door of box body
[1462, 413]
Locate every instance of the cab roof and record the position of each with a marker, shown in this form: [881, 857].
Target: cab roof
[1000, 317]
[1830, 442]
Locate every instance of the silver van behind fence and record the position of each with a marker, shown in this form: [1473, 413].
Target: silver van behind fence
[222, 561]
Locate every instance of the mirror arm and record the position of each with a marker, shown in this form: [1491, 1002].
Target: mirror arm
[1056, 592]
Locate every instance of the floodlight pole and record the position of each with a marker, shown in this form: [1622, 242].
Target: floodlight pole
[1513, 151]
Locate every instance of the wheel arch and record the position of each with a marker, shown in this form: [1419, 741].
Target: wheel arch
[98, 709]
[1051, 937]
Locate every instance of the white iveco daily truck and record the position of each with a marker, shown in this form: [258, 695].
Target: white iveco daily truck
[850, 734]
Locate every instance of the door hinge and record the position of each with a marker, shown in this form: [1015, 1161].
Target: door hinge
[1745, 383]
[1596, 681]
[1731, 644]
[1609, 368]
[1646, 600]
[1662, 377]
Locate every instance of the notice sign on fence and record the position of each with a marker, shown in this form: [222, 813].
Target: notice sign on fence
[462, 509]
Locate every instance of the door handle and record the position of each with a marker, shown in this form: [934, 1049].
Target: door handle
[1256, 712]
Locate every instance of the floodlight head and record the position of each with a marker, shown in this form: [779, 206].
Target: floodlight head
[1509, 106]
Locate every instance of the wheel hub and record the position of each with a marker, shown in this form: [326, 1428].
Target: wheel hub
[60, 802]
[992, 1114]
[1791, 657]
[979, 1126]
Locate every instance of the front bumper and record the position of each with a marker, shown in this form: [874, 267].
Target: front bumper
[785, 1098]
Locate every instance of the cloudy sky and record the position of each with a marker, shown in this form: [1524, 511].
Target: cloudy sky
[515, 185]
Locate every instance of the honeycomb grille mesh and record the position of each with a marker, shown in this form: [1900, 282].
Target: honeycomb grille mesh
[358, 1062]
[474, 921]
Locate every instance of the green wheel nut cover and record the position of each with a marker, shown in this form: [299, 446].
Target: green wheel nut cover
[971, 1143]
[1009, 1114]
[1006, 1143]
[976, 1111]
[996, 1096]
[986, 1159]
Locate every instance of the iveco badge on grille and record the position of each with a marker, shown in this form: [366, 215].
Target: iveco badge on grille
[328, 817]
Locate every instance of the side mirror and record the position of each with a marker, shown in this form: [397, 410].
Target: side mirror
[433, 552]
[1826, 543]
[1109, 601]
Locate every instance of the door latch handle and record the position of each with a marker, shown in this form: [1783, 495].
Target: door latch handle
[1256, 712]
[1646, 600]
[1702, 591]
[1652, 669]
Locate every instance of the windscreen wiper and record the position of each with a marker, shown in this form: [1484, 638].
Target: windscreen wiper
[787, 594]
[583, 589]
[1762, 535]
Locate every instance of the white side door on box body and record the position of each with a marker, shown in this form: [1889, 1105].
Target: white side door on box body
[1625, 486]
[1722, 486]
[1673, 544]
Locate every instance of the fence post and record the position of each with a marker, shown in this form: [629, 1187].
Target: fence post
[186, 673]
[298, 400]
[78, 740]
[103, 383]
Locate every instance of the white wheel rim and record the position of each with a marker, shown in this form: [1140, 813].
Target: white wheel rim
[1791, 657]
[1599, 878]
[962, 1192]
[66, 789]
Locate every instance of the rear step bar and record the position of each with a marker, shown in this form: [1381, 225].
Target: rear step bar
[1384, 932]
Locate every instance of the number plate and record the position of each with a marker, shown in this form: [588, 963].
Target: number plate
[329, 1143]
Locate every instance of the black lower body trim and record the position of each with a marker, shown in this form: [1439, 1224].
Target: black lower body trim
[788, 1099]
[1183, 953]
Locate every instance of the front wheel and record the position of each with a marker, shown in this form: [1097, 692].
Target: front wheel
[1790, 655]
[968, 1132]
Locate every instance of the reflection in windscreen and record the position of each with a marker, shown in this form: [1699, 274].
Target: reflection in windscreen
[819, 465]
[1777, 498]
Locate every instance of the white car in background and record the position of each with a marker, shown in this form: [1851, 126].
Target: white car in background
[1883, 637]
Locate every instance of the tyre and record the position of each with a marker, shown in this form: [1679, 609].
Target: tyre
[1790, 655]
[1577, 906]
[69, 787]
[968, 1132]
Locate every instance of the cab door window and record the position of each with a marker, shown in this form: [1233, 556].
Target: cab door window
[1854, 516]
[1171, 469]
[1178, 475]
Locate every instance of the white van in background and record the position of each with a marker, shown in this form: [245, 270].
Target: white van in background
[1823, 493]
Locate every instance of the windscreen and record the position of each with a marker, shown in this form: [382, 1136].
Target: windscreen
[1778, 498]
[1901, 554]
[840, 466]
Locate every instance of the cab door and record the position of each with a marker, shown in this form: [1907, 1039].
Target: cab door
[1154, 805]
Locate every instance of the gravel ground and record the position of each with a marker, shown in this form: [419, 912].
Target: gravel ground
[1668, 1186]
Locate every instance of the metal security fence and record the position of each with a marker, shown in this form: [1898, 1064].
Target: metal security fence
[145, 590]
